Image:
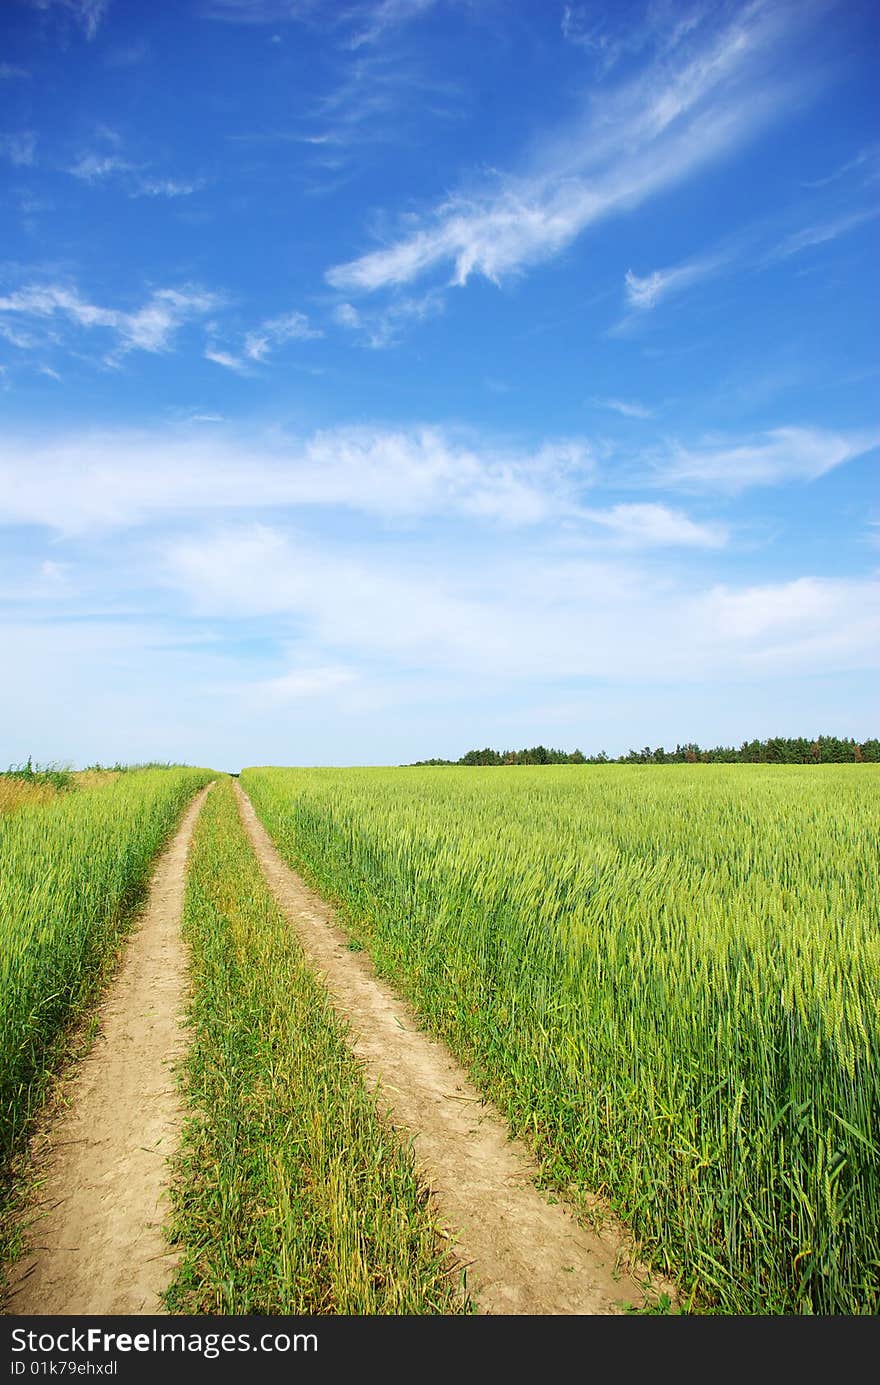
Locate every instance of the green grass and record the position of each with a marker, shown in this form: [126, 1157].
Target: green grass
[669, 979]
[72, 872]
[292, 1194]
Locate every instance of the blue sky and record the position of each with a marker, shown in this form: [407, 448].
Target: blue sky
[386, 378]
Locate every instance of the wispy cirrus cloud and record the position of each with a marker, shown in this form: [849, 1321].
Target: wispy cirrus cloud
[822, 232]
[384, 327]
[577, 29]
[227, 360]
[627, 408]
[775, 457]
[375, 19]
[135, 179]
[87, 14]
[750, 250]
[364, 109]
[377, 86]
[24, 341]
[276, 331]
[166, 187]
[652, 526]
[151, 327]
[19, 147]
[645, 292]
[92, 168]
[356, 24]
[655, 130]
[260, 342]
[660, 27]
[257, 11]
[866, 161]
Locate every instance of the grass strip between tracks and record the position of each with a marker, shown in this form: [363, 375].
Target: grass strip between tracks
[292, 1194]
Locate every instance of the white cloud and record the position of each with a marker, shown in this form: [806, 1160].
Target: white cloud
[19, 147]
[91, 168]
[151, 327]
[276, 331]
[822, 232]
[347, 315]
[860, 160]
[54, 572]
[332, 619]
[580, 28]
[650, 134]
[773, 609]
[126, 478]
[629, 408]
[8, 71]
[660, 27]
[384, 327]
[359, 24]
[647, 525]
[253, 11]
[89, 14]
[575, 27]
[94, 168]
[34, 584]
[46, 300]
[258, 344]
[305, 682]
[499, 616]
[165, 187]
[771, 458]
[23, 340]
[799, 624]
[646, 292]
[225, 358]
[382, 16]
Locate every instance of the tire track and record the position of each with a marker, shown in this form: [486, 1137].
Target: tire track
[96, 1227]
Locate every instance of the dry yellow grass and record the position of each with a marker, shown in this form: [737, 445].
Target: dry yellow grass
[22, 792]
[16, 793]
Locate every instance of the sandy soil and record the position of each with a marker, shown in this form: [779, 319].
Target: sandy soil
[524, 1254]
[96, 1238]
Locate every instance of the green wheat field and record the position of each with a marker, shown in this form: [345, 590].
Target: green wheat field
[668, 979]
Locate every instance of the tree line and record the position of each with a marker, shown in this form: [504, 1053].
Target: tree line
[778, 750]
